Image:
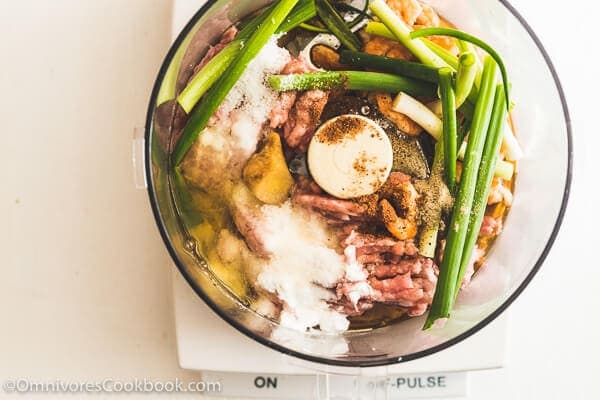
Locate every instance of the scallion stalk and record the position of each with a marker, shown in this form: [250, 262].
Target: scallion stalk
[351, 80]
[489, 159]
[302, 12]
[215, 96]
[402, 33]
[337, 25]
[420, 113]
[449, 127]
[390, 65]
[379, 29]
[442, 53]
[313, 28]
[465, 77]
[207, 76]
[446, 288]
[471, 39]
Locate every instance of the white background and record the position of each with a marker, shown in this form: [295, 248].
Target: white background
[84, 277]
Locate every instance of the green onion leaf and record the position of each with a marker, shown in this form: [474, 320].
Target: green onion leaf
[313, 28]
[449, 127]
[390, 65]
[337, 25]
[465, 77]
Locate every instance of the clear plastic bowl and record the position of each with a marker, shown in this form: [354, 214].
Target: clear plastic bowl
[542, 189]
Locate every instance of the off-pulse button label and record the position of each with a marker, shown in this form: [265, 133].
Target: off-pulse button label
[418, 386]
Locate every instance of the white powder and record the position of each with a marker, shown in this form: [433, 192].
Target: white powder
[252, 92]
[302, 266]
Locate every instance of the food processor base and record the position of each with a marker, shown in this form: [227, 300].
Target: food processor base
[247, 369]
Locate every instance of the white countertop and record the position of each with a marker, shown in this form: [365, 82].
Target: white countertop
[84, 277]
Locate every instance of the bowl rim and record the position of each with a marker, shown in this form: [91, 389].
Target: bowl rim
[340, 362]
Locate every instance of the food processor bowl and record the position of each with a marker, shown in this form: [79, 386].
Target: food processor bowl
[541, 192]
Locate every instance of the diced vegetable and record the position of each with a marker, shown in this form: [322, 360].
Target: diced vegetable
[471, 39]
[447, 288]
[419, 113]
[449, 127]
[402, 33]
[465, 77]
[337, 25]
[351, 80]
[390, 65]
[221, 88]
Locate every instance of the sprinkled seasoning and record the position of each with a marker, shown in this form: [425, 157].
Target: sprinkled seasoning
[344, 127]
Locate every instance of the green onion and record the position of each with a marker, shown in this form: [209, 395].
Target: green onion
[446, 288]
[304, 11]
[471, 39]
[390, 65]
[449, 126]
[379, 29]
[468, 47]
[337, 25]
[489, 159]
[463, 130]
[465, 77]
[402, 33]
[351, 80]
[442, 53]
[221, 88]
[313, 28]
[420, 113]
[209, 74]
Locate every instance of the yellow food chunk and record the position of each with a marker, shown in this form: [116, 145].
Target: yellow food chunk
[267, 174]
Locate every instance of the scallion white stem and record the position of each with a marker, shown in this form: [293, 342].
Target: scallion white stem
[419, 113]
